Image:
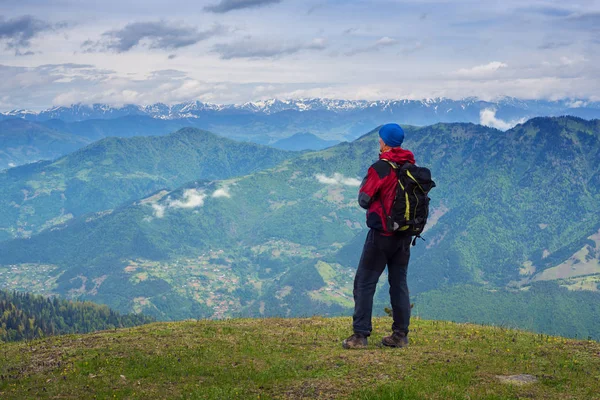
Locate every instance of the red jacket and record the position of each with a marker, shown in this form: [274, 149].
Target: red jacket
[378, 189]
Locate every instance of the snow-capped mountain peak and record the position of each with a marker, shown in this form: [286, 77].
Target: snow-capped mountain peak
[194, 109]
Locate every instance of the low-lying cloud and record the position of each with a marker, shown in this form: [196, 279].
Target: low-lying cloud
[191, 198]
[159, 35]
[487, 117]
[337, 179]
[577, 103]
[159, 210]
[222, 192]
[225, 6]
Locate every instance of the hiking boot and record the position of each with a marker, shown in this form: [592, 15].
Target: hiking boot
[397, 339]
[355, 341]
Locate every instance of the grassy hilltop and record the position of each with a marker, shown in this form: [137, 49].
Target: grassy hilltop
[299, 358]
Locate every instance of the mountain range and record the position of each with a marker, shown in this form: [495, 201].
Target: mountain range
[111, 171]
[26, 141]
[447, 110]
[309, 124]
[513, 211]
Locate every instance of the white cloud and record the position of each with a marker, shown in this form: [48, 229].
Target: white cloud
[159, 210]
[337, 179]
[481, 70]
[565, 63]
[11, 165]
[381, 43]
[222, 192]
[487, 117]
[317, 44]
[577, 103]
[386, 41]
[362, 51]
[192, 198]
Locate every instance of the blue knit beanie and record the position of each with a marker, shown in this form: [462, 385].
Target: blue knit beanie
[392, 135]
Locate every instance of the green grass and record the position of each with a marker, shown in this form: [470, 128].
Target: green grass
[298, 358]
[326, 271]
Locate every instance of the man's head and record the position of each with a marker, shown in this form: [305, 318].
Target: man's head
[390, 135]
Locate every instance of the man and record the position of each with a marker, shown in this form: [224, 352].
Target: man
[382, 247]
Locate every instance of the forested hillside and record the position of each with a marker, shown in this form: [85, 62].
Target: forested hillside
[508, 211]
[112, 171]
[544, 307]
[28, 316]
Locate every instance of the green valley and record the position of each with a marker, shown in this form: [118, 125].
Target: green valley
[509, 210]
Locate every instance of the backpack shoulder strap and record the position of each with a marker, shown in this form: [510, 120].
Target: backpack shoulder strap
[391, 163]
[382, 167]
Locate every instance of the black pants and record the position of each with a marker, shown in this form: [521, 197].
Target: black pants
[379, 251]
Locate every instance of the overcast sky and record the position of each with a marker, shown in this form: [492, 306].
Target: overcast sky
[59, 52]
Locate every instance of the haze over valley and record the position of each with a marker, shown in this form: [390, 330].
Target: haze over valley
[193, 225]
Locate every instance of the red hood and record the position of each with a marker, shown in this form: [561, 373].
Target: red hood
[398, 155]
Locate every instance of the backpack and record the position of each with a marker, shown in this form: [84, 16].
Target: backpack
[410, 208]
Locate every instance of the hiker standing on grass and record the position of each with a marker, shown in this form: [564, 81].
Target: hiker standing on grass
[388, 242]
